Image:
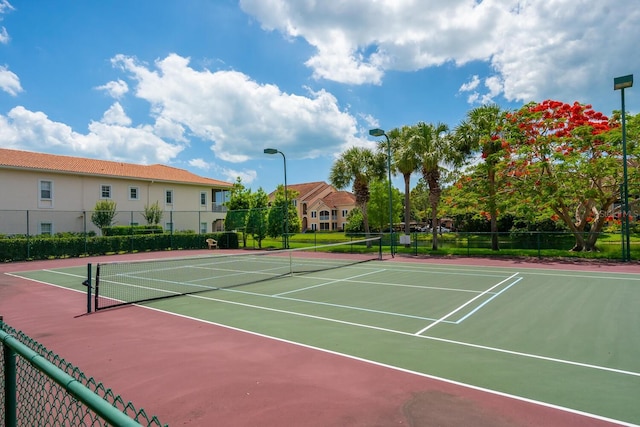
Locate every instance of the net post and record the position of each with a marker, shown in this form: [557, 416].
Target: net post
[380, 248]
[97, 293]
[87, 283]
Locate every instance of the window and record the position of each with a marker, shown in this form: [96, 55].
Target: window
[324, 215]
[324, 226]
[168, 227]
[295, 203]
[304, 209]
[46, 190]
[314, 214]
[314, 227]
[46, 228]
[203, 228]
[134, 193]
[105, 191]
[334, 214]
[345, 212]
[203, 198]
[168, 197]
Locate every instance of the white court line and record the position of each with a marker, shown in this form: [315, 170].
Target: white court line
[327, 283]
[486, 302]
[400, 369]
[426, 328]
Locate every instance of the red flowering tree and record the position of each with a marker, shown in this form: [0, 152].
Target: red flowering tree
[558, 156]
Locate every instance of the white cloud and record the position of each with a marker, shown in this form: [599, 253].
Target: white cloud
[115, 89]
[199, 163]
[240, 116]
[4, 35]
[471, 84]
[247, 176]
[5, 7]
[537, 48]
[25, 129]
[9, 81]
[115, 115]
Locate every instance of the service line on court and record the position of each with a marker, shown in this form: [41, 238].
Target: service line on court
[443, 318]
[328, 283]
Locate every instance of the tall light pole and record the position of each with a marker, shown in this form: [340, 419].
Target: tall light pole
[622, 83]
[286, 199]
[380, 132]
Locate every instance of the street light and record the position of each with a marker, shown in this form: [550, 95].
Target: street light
[380, 132]
[622, 83]
[286, 200]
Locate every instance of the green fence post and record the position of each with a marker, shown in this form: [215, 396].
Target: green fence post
[10, 385]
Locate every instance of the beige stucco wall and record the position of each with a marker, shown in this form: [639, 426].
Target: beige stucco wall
[73, 194]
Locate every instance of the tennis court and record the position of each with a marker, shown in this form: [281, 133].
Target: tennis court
[565, 338]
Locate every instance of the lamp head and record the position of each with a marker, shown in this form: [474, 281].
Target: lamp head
[376, 132]
[622, 82]
[270, 151]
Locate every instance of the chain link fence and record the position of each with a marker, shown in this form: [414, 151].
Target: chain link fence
[39, 388]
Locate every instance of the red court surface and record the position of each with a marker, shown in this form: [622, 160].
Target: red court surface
[192, 373]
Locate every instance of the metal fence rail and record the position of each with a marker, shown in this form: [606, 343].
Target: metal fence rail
[38, 388]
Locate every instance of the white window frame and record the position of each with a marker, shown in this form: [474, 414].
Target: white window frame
[314, 214]
[345, 212]
[203, 198]
[168, 226]
[40, 183]
[45, 202]
[326, 217]
[203, 228]
[314, 226]
[137, 191]
[168, 197]
[43, 225]
[108, 189]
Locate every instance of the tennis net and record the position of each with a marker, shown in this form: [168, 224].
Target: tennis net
[121, 283]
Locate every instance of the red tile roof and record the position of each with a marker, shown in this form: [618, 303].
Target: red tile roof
[339, 198]
[16, 159]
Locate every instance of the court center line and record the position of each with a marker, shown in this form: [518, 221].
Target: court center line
[486, 302]
[445, 340]
[426, 328]
[327, 283]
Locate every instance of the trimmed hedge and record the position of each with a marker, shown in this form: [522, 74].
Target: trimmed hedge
[48, 247]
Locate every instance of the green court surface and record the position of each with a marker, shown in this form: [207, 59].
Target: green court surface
[559, 337]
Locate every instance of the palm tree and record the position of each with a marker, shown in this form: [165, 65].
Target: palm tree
[358, 166]
[479, 133]
[406, 160]
[434, 148]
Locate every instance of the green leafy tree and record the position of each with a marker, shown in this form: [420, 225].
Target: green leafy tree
[378, 206]
[435, 148]
[276, 218]
[257, 217]
[355, 222]
[405, 151]
[238, 209]
[103, 213]
[153, 214]
[481, 133]
[420, 202]
[358, 166]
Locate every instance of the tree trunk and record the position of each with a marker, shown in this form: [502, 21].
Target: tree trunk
[432, 178]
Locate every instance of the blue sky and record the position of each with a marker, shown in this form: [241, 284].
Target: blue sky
[206, 85]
